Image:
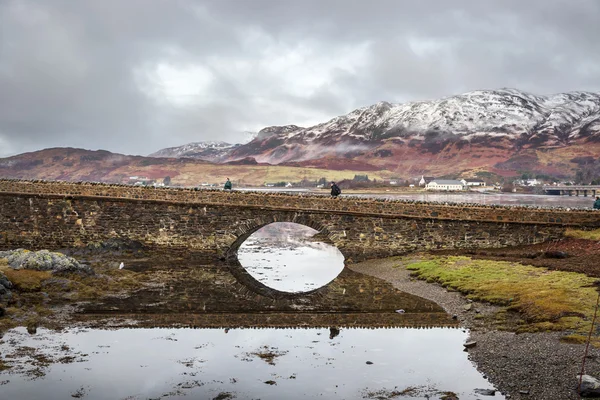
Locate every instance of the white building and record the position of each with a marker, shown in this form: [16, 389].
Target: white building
[425, 180]
[473, 182]
[445, 185]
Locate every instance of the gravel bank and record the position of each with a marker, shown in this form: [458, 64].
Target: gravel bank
[523, 366]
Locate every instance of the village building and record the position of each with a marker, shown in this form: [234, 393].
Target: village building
[473, 182]
[445, 185]
[425, 180]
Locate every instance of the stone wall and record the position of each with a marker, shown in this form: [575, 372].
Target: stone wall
[303, 202]
[58, 215]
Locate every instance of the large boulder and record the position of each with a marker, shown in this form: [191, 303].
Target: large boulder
[45, 260]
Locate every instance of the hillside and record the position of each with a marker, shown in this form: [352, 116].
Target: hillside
[102, 166]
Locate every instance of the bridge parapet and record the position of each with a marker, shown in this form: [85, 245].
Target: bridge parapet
[304, 203]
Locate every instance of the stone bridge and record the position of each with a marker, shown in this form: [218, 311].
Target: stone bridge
[60, 215]
[42, 214]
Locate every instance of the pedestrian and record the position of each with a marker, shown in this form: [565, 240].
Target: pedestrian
[335, 190]
[597, 204]
[227, 185]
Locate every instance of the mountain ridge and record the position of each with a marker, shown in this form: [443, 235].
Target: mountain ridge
[501, 132]
[518, 118]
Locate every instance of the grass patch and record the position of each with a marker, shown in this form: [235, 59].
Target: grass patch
[579, 234]
[547, 300]
[26, 280]
[581, 339]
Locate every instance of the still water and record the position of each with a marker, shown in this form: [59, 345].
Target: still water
[514, 199]
[511, 199]
[266, 363]
[238, 363]
[284, 256]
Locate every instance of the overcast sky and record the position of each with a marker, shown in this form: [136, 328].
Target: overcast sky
[136, 76]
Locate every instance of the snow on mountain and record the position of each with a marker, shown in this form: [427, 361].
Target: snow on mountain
[210, 151]
[507, 112]
[517, 118]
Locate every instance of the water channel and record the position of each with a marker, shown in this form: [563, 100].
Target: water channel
[489, 198]
[267, 363]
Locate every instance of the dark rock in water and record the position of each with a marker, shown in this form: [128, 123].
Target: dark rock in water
[333, 332]
[590, 386]
[486, 392]
[45, 260]
[369, 363]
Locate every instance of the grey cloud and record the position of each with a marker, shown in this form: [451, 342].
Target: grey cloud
[83, 74]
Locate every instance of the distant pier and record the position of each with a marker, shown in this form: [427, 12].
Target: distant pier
[584, 190]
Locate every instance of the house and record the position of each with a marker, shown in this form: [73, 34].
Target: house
[533, 182]
[445, 185]
[473, 182]
[395, 181]
[425, 180]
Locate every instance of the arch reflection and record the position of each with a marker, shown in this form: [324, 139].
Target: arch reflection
[290, 257]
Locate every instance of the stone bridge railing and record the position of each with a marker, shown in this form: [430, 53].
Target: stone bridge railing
[306, 203]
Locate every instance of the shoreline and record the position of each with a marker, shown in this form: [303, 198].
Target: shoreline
[521, 366]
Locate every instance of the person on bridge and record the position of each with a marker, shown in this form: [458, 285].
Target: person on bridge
[597, 204]
[335, 190]
[227, 185]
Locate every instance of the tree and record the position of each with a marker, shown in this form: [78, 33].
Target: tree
[167, 180]
[322, 181]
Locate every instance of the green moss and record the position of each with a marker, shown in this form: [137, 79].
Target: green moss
[578, 234]
[547, 300]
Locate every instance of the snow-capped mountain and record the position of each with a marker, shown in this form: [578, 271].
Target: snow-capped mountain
[517, 118]
[210, 151]
[492, 129]
[505, 112]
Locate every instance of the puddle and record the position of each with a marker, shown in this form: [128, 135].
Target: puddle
[283, 256]
[239, 363]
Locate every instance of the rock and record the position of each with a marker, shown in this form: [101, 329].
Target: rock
[5, 286]
[45, 260]
[467, 307]
[470, 344]
[369, 362]
[486, 392]
[2, 312]
[4, 281]
[556, 254]
[590, 386]
[524, 392]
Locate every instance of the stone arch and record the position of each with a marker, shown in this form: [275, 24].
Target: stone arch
[246, 229]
